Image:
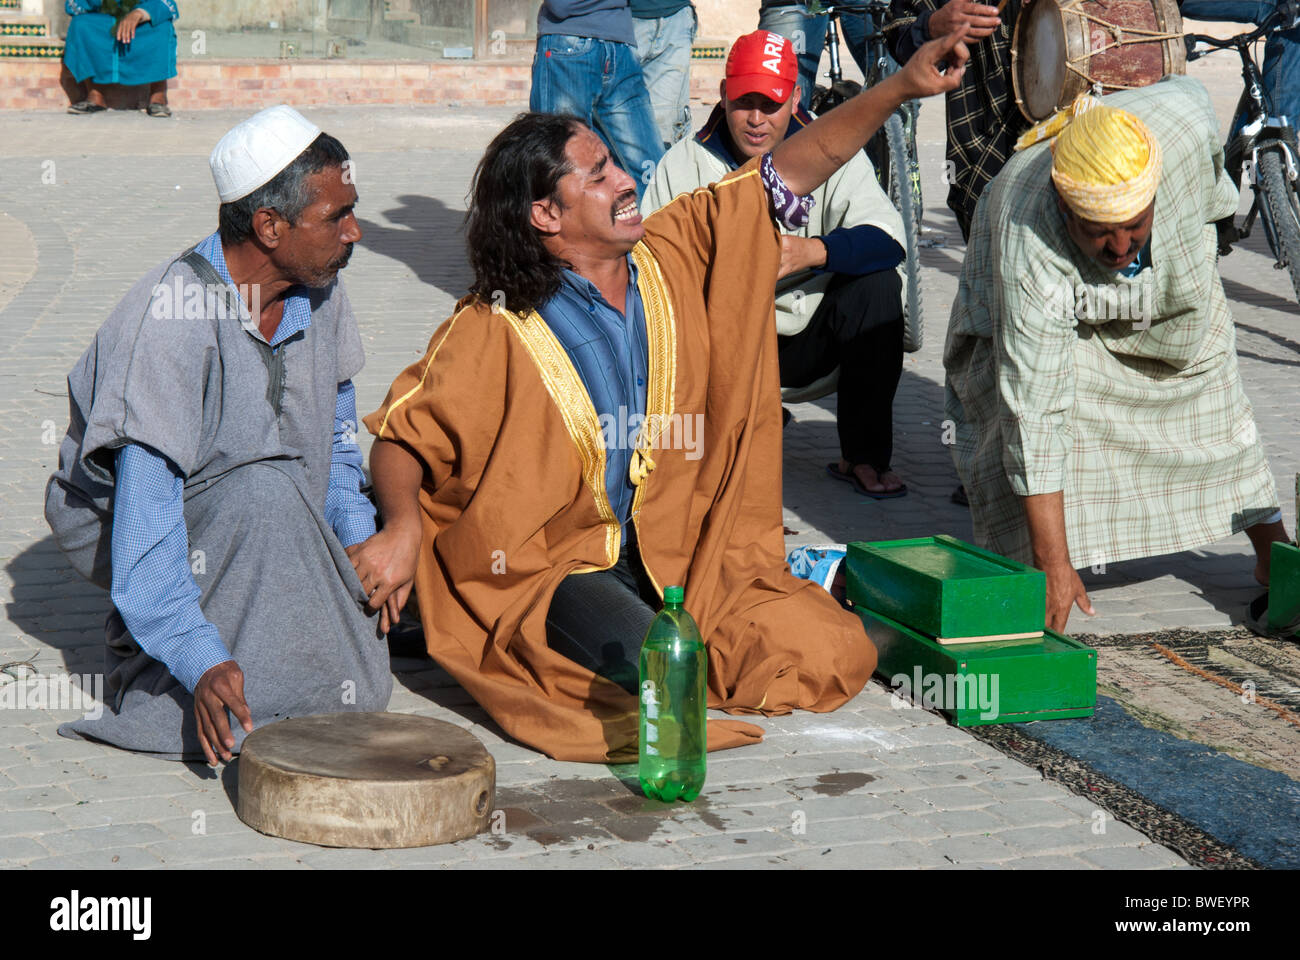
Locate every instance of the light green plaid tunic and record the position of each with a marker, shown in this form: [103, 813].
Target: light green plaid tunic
[1144, 426]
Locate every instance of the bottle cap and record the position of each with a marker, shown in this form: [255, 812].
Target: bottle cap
[674, 595]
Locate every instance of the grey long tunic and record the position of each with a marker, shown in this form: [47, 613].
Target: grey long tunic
[252, 434]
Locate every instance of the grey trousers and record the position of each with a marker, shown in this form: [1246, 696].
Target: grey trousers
[280, 589]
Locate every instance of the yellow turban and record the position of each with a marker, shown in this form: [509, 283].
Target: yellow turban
[1105, 162]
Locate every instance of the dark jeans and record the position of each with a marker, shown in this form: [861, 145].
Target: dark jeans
[599, 619]
[858, 327]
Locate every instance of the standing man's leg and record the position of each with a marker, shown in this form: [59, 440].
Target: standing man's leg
[808, 34]
[858, 327]
[566, 76]
[623, 116]
[663, 48]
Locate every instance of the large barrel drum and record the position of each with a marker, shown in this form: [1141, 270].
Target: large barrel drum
[1061, 49]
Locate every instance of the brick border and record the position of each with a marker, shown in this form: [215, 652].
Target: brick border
[253, 84]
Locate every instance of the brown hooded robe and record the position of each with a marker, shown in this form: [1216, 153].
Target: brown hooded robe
[514, 499]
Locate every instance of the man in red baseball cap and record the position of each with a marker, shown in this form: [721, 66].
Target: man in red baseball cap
[838, 296]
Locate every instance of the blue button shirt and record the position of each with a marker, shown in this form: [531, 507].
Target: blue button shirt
[610, 351]
[153, 588]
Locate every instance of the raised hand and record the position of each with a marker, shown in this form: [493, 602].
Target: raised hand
[922, 76]
[981, 20]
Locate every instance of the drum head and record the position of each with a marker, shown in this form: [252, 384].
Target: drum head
[1040, 58]
[365, 780]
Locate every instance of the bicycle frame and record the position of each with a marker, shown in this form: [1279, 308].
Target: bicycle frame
[1253, 127]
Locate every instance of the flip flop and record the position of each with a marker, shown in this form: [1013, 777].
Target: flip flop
[834, 470]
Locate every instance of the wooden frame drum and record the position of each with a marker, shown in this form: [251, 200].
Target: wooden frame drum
[1061, 49]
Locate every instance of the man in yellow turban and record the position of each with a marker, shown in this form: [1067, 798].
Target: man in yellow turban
[1091, 360]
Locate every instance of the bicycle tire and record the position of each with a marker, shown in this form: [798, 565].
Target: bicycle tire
[1283, 203]
[900, 194]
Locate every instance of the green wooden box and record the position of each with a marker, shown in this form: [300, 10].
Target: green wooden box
[1008, 681]
[1283, 586]
[947, 589]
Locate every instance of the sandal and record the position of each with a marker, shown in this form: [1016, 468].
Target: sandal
[834, 470]
[1256, 620]
[159, 110]
[85, 106]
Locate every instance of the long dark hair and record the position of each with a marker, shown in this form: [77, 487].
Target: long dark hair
[523, 164]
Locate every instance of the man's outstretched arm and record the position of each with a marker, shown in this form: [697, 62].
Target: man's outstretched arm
[1045, 515]
[386, 562]
[807, 160]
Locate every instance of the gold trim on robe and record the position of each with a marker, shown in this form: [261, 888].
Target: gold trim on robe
[566, 388]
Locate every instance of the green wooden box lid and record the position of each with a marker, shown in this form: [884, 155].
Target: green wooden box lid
[946, 588]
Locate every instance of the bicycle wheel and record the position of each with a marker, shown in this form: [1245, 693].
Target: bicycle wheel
[1283, 204]
[900, 193]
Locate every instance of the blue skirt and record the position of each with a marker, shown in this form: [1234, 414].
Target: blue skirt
[92, 51]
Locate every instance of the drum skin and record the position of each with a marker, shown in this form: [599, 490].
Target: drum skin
[376, 780]
[1059, 50]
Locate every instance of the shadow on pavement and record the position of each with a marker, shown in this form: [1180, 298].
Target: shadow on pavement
[428, 238]
[55, 606]
[920, 459]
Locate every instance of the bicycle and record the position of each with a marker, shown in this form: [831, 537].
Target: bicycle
[892, 150]
[1264, 146]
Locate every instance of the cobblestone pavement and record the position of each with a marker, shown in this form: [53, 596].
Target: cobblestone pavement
[87, 204]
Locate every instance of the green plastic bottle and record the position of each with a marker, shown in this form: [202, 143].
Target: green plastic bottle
[673, 739]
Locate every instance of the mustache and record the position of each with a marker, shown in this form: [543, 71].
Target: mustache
[342, 261]
[622, 201]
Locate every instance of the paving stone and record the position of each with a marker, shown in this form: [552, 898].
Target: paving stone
[1062, 839]
[16, 850]
[972, 849]
[730, 845]
[874, 856]
[1038, 813]
[340, 859]
[35, 798]
[120, 858]
[1148, 857]
[209, 847]
[113, 788]
[95, 838]
[960, 822]
[649, 854]
[27, 822]
[1048, 863]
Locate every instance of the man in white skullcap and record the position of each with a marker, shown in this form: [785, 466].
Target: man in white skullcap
[210, 476]
[1091, 362]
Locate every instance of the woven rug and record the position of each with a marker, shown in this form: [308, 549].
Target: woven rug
[1195, 742]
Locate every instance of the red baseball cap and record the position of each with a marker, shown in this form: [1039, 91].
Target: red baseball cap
[762, 62]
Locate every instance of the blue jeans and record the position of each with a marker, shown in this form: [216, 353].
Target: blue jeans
[1281, 50]
[663, 45]
[808, 34]
[600, 83]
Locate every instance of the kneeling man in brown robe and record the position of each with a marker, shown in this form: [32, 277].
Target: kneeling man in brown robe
[600, 418]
